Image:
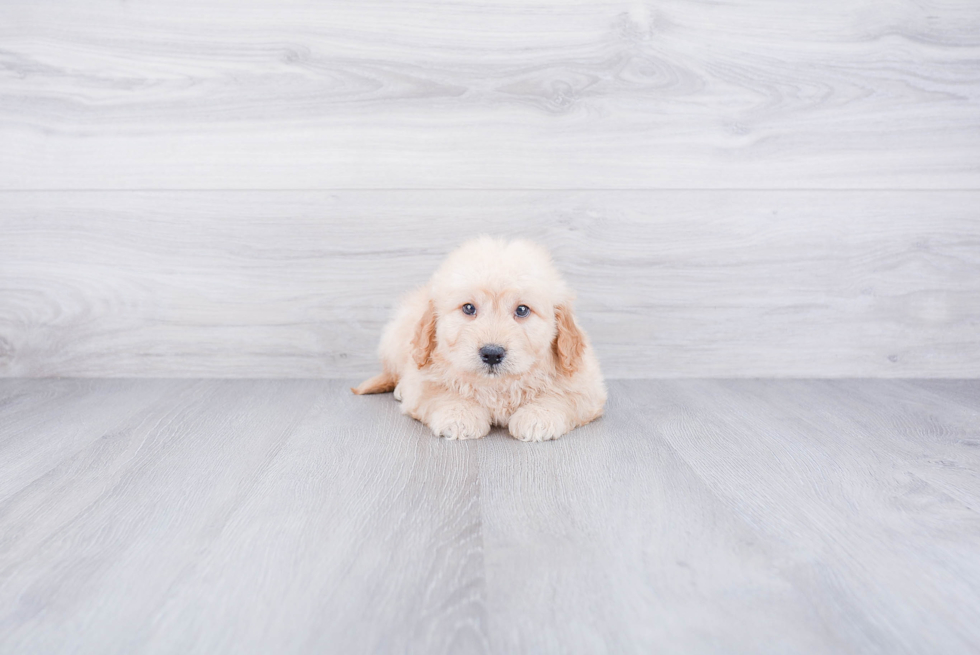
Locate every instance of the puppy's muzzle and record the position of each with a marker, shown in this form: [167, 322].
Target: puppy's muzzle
[492, 354]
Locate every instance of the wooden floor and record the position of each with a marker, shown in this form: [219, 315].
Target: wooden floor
[183, 516]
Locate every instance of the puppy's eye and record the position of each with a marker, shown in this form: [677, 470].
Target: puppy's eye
[469, 309]
[522, 311]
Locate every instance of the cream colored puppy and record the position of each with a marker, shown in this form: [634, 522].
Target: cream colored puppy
[491, 340]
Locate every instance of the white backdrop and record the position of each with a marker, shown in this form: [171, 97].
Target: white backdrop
[243, 189]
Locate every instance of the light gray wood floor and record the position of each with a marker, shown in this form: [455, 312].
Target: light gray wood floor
[697, 516]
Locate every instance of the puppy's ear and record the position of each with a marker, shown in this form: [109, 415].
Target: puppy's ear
[425, 337]
[569, 342]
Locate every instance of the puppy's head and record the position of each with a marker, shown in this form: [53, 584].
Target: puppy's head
[499, 309]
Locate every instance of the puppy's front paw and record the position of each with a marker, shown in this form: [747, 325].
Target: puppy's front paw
[536, 423]
[460, 422]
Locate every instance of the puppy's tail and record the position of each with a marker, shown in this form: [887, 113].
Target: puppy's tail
[381, 383]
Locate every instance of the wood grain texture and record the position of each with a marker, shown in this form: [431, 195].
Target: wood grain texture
[495, 94]
[697, 516]
[670, 284]
[285, 495]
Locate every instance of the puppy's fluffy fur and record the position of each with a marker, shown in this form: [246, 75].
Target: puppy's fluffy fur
[549, 380]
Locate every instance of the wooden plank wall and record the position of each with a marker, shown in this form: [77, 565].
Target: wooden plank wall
[242, 189]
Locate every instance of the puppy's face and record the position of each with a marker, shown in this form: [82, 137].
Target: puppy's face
[495, 331]
[498, 309]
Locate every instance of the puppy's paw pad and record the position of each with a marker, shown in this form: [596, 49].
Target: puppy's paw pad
[530, 423]
[460, 423]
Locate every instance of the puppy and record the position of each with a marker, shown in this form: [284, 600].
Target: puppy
[491, 340]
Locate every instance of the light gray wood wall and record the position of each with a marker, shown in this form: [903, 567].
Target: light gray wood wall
[670, 283]
[243, 189]
[490, 94]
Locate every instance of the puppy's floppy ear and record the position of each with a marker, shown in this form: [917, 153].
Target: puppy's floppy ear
[424, 339]
[569, 341]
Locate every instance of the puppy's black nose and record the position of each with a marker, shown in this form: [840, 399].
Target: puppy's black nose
[492, 354]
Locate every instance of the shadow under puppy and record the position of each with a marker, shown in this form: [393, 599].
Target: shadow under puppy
[491, 340]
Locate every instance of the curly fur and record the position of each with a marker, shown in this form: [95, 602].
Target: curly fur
[549, 381]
